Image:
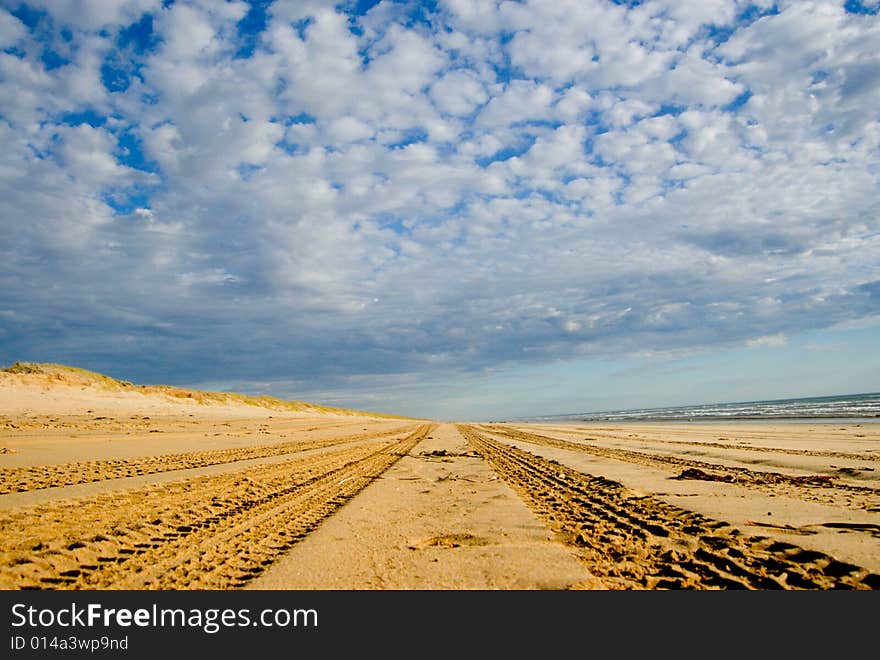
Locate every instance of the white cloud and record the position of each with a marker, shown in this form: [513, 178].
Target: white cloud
[479, 16]
[187, 32]
[769, 340]
[349, 129]
[458, 92]
[406, 65]
[96, 14]
[518, 101]
[86, 153]
[11, 29]
[319, 71]
[695, 81]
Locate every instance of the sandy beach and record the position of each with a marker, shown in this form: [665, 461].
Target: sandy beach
[104, 486]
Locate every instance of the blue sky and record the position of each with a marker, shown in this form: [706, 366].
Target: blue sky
[460, 209]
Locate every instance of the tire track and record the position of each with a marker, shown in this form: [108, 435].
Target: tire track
[213, 532]
[737, 447]
[808, 488]
[640, 542]
[17, 480]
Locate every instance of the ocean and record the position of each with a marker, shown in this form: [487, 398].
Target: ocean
[842, 407]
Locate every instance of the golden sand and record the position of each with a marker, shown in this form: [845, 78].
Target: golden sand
[106, 485]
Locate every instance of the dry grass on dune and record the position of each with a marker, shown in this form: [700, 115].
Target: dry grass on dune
[59, 374]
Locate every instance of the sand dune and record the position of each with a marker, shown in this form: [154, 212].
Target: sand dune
[107, 485]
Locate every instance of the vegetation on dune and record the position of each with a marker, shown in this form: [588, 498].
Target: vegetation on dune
[76, 376]
[63, 372]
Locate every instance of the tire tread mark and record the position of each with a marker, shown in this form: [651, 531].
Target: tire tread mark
[633, 541]
[206, 532]
[858, 497]
[22, 479]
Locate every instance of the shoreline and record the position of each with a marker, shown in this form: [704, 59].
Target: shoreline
[700, 420]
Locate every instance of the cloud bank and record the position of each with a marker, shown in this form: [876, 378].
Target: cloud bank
[328, 196]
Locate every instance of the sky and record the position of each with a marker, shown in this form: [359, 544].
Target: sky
[461, 209]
